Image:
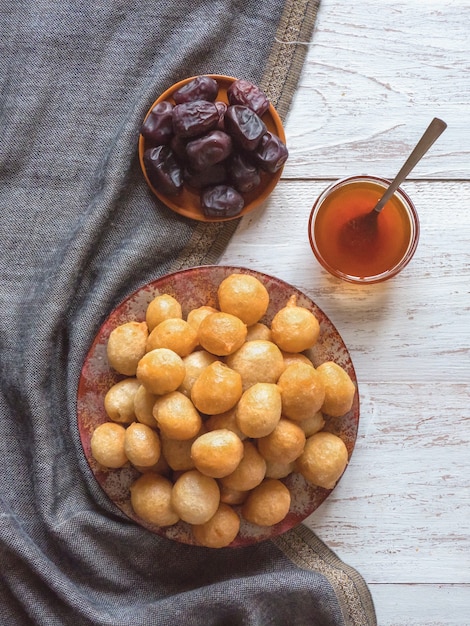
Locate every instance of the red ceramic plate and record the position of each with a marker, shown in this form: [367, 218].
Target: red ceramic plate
[187, 202]
[193, 288]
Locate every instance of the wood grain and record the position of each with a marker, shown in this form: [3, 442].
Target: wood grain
[376, 73]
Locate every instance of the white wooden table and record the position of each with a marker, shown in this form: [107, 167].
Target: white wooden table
[376, 73]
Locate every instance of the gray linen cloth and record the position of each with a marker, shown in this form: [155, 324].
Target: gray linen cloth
[79, 231]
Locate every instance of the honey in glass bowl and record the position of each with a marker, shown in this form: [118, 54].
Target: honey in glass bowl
[364, 259]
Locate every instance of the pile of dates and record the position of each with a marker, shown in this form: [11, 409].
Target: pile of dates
[205, 144]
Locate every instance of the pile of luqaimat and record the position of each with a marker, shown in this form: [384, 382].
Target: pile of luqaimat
[215, 410]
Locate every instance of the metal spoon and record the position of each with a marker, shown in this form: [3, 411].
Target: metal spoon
[362, 229]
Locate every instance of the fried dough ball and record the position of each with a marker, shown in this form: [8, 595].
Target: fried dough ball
[259, 409]
[220, 530]
[228, 420]
[232, 496]
[119, 401]
[339, 389]
[221, 333]
[195, 497]
[161, 308]
[312, 424]
[161, 371]
[174, 334]
[323, 460]
[258, 331]
[143, 406]
[279, 469]
[267, 504]
[177, 452]
[126, 346]
[107, 445]
[284, 444]
[257, 361]
[302, 391]
[194, 364]
[195, 316]
[217, 389]
[244, 296]
[294, 328]
[142, 445]
[250, 471]
[151, 499]
[177, 416]
[217, 453]
[296, 357]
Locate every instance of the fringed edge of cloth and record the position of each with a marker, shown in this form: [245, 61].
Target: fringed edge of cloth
[308, 552]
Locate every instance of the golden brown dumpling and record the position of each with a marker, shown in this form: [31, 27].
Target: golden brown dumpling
[143, 406]
[221, 333]
[107, 445]
[294, 328]
[284, 444]
[257, 361]
[151, 499]
[259, 409]
[217, 453]
[267, 504]
[258, 331]
[119, 400]
[161, 308]
[220, 530]
[161, 371]
[195, 497]
[250, 471]
[244, 296]
[302, 391]
[217, 389]
[313, 424]
[126, 346]
[142, 445]
[175, 334]
[339, 389]
[176, 416]
[323, 460]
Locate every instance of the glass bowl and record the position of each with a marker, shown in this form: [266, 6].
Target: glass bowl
[363, 260]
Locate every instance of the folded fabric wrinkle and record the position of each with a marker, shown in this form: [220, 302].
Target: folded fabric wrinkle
[81, 232]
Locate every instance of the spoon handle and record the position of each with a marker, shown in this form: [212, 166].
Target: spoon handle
[432, 132]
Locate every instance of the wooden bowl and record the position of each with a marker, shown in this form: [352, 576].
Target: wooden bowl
[187, 202]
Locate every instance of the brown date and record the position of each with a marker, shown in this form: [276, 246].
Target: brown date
[199, 88]
[221, 201]
[209, 149]
[191, 119]
[244, 125]
[244, 175]
[158, 126]
[246, 93]
[163, 170]
[271, 153]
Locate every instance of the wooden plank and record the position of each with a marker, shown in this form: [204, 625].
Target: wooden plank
[375, 76]
[422, 605]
